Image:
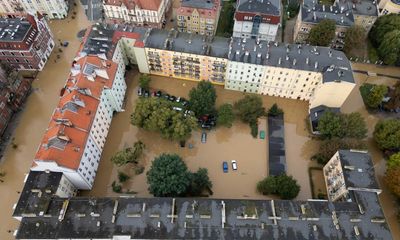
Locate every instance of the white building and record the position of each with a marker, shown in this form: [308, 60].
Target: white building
[257, 19]
[138, 12]
[50, 8]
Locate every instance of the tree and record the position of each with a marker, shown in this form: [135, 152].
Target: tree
[275, 110]
[168, 176]
[144, 81]
[354, 125]
[342, 125]
[200, 182]
[387, 134]
[123, 177]
[116, 187]
[155, 114]
[225, 115]
[250, 108]
[382, 26]
[393, 161]
[354, 38]
[373, 94]
[328, 147]
[389, 49]
[330, 125]
[284, 186]
[323, 33]
[202, 98]
[129, 155]
[392, 179]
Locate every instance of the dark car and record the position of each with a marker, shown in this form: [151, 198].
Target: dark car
[206, 126]
[158, 94]
[146, 93]
[172, 98]
[166, 96]
[184, 102]
[140, 91]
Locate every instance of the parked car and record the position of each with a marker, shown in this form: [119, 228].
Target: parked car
[234, 165]
[177, 109]
[172, 98]
[140, 91]
[187, 113]
[146, 93]
[184, 103]
[204, 137]
[158, 94]
[262, 134]
[206, 126]
[178, 99]
[166, 96]
[225, 167]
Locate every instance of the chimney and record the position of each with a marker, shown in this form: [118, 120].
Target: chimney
[316, 65]
[259, 55]
[331, 8]
[247, 53]
[255, 48]
[323, 8]
[287, 57]
[314, 16]
[330, 53]
[237, 52]
[307, 60]
[267, 56]
[294, 62]
[279, 61]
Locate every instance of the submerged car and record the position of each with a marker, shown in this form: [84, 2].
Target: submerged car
[204, 137]
[234, 165]
[225, 167]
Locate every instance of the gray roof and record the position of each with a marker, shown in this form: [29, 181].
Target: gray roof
[358, 169]
[276, 153]
[363, 7]
[14, 29]
[315, 13]
[188, 43]
[44, 184]
[271, 7]
[333, 64]
[205, 4]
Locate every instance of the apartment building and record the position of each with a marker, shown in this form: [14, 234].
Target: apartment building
[198, 16]
[149, 13]
[344, 13]
[389, 6]
[257, 19]
[78, 128]
[25, 43]
[347, 171]
[187, 56]
[53, 9]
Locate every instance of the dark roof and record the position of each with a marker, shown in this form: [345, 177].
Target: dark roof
[14, 29]
[271, 7]
[358, 169]
[205, 4]
[276, 150]
[40, 187]
[317, 12]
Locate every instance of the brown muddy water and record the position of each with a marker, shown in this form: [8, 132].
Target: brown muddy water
[35, 117]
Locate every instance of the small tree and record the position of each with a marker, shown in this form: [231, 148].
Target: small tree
[129, 155]
[123, 177]
[202, 99]
[392, 179]
[250, 108]
[323, 33]
[387, 134]
[375, 95]
[393, 161]
[275, 110]
[354, 38]
[225, 115]
[144, 81]
[168, 176]
[328, 147]
[200, 182]
[116, 187]
[284, 186]
[354, 125]
[330, 125]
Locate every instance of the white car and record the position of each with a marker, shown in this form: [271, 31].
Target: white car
[234, 165]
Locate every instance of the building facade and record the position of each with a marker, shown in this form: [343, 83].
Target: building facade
[25, 43]
[257, 19]
[199, 17]
[389, 6]
[345, 14]
[149, 13]
[53, 9]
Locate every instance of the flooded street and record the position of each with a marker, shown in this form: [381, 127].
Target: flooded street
[35, 118]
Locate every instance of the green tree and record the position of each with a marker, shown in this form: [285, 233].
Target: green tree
[116, 187]
[144, 81]
[202, 98]
[129, 155]
[200, 182]
[387, 134]
[354, 38]
[284, 186]
[382, 26]
[275, 110]
[392, 179]
[328, 147]
[123, 177]
[354, 125]
[168, 176]
[225, 115]
[323, 33]
[330, 125]
[250, 108]
[389, 49]
[394, 160]
[339, 125]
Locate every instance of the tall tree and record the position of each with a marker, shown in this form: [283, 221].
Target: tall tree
[330, 125]
[200, 182]
[354, 125]
[202, 98]
[389, 49]
[387, 134]
[382, 26]
[250, 108]
[354, 38]
[323, 33]
[168, 176]
[284, 186]
[144, 81]
[340, 125]
[392, 179]
[225, 115]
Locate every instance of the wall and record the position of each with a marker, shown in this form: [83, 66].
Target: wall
[332, 94]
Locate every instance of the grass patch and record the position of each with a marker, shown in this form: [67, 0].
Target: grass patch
[225, 22]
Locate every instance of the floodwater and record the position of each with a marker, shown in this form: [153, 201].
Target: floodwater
[35, 117]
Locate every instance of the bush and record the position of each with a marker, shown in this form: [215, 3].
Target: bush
[284, 186]
[116, 187]
[254, 129]
[275, 110]
[144, 81]
[387, 134]
[225, 115]
[394, 160]
[139, 170]
[372, 94]
[123, 177]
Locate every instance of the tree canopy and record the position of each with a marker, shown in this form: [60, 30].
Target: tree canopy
[393, 161]
[340, 125]
[275, 110]
[354, 38]
[144, 81]
[156, 114]
[373, 94]
[225, 115]
[383, 25]
[389, 49]
[200, 182]
[328, 147]
[284, 186]
[129, 155]
[202, 99]
[387, 134]
[168, 176]
[250, 108]
[392, 179]
[323, 33]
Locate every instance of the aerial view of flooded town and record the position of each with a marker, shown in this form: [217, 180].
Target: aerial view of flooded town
[200, 119]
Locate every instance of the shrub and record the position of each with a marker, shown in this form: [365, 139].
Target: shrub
[123, 177]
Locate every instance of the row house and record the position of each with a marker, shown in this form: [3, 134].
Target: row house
[53, 9]
[25, 43]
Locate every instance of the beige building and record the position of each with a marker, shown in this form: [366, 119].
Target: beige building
[198, 16]
[389, 6]
[53, 9]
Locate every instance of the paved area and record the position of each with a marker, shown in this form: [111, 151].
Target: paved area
[289, 29]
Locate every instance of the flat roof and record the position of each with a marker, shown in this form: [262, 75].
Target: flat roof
[276, 142]
[14, 29]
